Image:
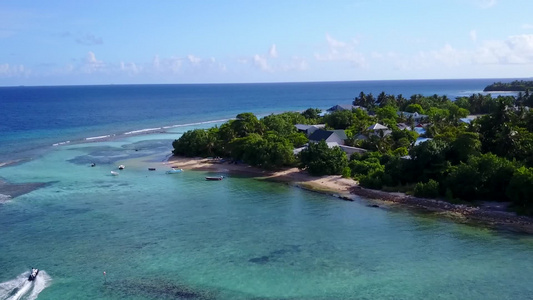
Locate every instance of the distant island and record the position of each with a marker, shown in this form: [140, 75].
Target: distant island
[515, 86]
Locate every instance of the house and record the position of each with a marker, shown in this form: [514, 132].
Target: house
[347, 149]
[415, 116]
[351, 150]
[376, 129]
[341, 107]
[403, 126]
[328, 136]
[421, 140]
[465, 120]
[308, 129]
[379, 130]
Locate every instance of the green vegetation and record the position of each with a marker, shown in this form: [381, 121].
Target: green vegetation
[319, 159]
[515, 86]
[267, 143]
[489, 158]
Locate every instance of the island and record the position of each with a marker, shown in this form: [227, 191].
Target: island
[514, 86]
[469, 156]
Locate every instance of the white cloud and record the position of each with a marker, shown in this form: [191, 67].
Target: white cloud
[262, 63]
[155, 62]
[130, 68]
[184, 65]
[450, 56]
[295, 64]
[517, 49]
[173, 64]
[473, 35]
[333, 43]
[273, 52]
[270, 62]
[92, 65]
[7, 70]
[342, 51]
[194, 59]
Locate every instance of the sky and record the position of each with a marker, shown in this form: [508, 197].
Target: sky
[57, 42]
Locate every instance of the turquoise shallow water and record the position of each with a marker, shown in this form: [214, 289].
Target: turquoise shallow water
[177, 236]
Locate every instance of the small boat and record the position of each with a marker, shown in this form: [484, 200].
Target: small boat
[214, 178]
[121, 167]
[151, 169]
[114, 173]
[174, 171]
[33, 274]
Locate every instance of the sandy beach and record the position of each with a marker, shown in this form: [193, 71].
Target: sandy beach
[328, 184]
[348, 189]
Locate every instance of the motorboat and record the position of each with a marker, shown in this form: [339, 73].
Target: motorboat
[121, 167]
[214, 178]
[151, 169]
[33, 274]
[173, 171]
[114, 173]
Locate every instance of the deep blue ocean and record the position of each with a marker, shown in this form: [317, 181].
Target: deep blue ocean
[161, 236]
[34, 118]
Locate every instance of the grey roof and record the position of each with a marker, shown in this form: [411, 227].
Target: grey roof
[302, 126]
[339, 107]
[320, 135]
[341, 134]
[402, 126]
[377, 126]
[414, 115]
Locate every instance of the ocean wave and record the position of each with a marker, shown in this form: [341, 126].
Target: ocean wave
[97, 137]
[134, 132]
[61, 143]
[21, 288]
[142, 131]
[9, 162]
[4, 198]
[197, 123]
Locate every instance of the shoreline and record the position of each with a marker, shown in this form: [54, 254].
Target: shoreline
[348, 189]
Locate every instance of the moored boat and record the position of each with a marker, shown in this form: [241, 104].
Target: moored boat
[33, 274]
[121, 167]
[114, 173]
[214, 178]
[173, 171]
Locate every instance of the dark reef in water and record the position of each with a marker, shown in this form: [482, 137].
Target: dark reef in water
[157, 288]
[106, 155]
[13, 190]
[274, 254]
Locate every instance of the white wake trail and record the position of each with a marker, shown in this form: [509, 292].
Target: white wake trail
[21, 288]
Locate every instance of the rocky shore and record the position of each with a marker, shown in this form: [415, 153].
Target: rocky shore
[481, 214]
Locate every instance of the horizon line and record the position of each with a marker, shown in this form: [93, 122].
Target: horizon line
[269, 82]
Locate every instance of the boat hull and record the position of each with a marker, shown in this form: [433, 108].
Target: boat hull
[33, 274]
